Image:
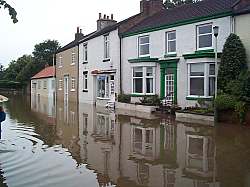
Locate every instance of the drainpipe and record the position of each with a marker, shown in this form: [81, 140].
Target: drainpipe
[120, 67]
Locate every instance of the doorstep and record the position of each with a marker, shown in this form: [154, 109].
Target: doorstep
[201, 119]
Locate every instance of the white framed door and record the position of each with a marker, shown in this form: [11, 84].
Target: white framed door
[112, 88]
[169, 87]
[66, 87]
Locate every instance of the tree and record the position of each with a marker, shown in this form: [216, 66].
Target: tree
[233, 61]
[174, 3]
[12, 11]
[43, 52]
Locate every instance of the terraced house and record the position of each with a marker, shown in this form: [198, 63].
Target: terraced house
[172, 53]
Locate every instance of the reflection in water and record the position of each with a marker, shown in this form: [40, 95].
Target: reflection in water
[97, 147]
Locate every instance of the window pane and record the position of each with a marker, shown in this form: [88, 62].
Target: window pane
[149, 85]
[172, 36]
[172, 46]
[205, 41]
[149, 71]
[197, 69]
[138, 85]
[212, 69]
[144, 40]
[138, 72]
[144, 49]
[211, 86]
[197, 86]
[205, 29]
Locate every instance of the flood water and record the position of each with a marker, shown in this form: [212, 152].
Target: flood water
[69, 145]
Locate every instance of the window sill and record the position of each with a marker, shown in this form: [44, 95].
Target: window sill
[140, 95]
[72, 90]
[85, 62]
[60, 89]
[170, 55]
[106, 60]
[205, 50]
[101, 98]
[85, 91]
[195, 98]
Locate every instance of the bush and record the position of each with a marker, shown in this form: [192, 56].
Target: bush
[124, 98]
[225, 102]
[5, 84]
[153, 100]
[241, 109]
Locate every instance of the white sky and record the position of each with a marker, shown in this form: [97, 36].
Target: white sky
[39, 20]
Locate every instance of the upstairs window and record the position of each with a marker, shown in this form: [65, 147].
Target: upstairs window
[204, 36]
[85, 53]
[143, 46]
[73, 58]
[60, 64]
[106, 47]
[73, 84]
[85, 81]
[44, 84]
[171, 42]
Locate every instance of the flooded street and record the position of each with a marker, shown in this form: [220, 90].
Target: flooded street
[69, 145]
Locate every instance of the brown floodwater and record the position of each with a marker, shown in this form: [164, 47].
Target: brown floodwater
[48, 143]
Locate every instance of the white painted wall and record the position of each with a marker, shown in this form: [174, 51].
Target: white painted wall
[48, 92]
[95, 62]
[186, 43]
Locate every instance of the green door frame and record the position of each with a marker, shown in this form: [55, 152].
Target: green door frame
[164, 65]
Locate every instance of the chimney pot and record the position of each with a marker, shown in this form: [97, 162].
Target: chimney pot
[104, 17]
[77, 30]
[112, 16]
[100, 15]
[107, 17]
[80, 30]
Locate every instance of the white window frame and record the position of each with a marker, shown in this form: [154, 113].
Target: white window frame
[60, 64]
[85, 53]
[106, 47]
[106, 94]
[85, 80]
[198, 36]
[44, 84]
[73, 84]
[144, 78]
[39, 84]
[60, 84]
[139, 46]
[168, 40]
[73, 58]
[206, 79]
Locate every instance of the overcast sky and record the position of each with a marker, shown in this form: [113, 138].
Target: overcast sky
[54, 19]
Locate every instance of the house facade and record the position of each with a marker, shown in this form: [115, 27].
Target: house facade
[43, 83]
[67, 70]
[100, 56]
[173, 55]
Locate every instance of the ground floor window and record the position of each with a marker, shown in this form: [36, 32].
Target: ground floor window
[103, 86]
[85, 81]
[73, 83]
[143, 80]
[60, 84]
[201, 79]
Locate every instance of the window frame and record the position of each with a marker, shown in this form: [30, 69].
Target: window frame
[60, 84]
[73, 58]
[85, 53]
[139, 46]
[106, 86]
[106, 47]
[73, 84]
[144, 80]
[45, 84]
[167, 40]
[60, 64]
[198, 36]
[85, 81]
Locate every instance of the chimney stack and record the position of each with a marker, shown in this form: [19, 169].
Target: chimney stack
[78, 34]
[105, 21]
[150, 7]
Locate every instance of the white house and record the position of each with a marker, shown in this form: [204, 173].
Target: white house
[172, 54]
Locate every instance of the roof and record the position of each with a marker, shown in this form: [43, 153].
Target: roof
[45, 73]
[189, 12]
[241, 7]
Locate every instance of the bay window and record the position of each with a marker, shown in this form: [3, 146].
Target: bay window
[143, 80]
[143, 46]
[171, 42]
[204, 36]
[202, 79]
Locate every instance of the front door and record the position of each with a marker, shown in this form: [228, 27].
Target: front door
[112, 88]
[169, 86]
[66, 88]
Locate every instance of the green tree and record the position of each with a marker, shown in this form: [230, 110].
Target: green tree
[43, 52]
[233, 61]
[12, 11]
[174, 3]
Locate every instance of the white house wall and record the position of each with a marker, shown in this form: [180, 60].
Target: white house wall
[186, 43]
[95, 62]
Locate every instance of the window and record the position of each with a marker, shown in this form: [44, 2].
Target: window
[85, 53]
[60, 64]
[171, 42]
[85, 124]
[60, 84]
[103, 86]
[143, 46]
[53, 84]
[73, 58]
[73, 84]
[204, 36]
[143, 80]
[85, 81]
[44, 84]
[106, 47]
[39, 84]
[202, 79]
